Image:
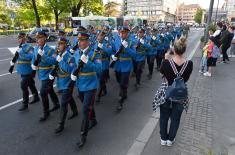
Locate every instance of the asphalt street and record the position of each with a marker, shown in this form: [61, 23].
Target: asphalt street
[21, 133]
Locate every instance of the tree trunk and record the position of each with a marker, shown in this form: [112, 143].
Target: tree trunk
[36, 13]
[76, 9]
[56, 18]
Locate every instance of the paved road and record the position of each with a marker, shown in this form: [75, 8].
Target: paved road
[114, 135]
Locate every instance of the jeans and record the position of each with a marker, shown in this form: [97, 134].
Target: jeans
[173, 112]
[203, 64]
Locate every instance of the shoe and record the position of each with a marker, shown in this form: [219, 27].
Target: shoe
[163, 142]
[200, 71]
[56, 107]
[35, 100]
[92, 124]
[44, 117]
[207, 74]
[149, 76]
[120, 105]
[170, 143]
[59, 129]
[23, 108]
[98, 100]
[82, 142]
[72, 116]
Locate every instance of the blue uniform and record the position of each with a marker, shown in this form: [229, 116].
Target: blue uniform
[25, 70]
[24, 60]
[47, 63]
[88, 79]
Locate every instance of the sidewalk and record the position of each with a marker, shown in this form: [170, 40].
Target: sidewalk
[205, 127]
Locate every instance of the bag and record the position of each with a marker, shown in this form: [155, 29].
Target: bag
[178, 91]
[160, 96]
[215, 52]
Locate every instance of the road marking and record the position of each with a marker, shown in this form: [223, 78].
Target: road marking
[5, 59]
[140, 142]
[7, 74]
[17, 101]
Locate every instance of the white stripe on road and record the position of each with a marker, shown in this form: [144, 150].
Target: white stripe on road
[16, 102]
[193, 51]
[7, 74]
[5, 59]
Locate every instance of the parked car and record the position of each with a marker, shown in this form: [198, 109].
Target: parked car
[52, 34]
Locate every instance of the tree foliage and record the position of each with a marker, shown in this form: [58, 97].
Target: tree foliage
[198, 16]
[111, 9]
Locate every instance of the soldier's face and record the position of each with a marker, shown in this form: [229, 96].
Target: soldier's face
[124, 35]
[100, 37]
[141, 34]
[61, 47]
[21, 40]
[83, 44]
[41, 41]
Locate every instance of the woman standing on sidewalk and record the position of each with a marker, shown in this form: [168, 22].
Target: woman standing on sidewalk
[166, 110]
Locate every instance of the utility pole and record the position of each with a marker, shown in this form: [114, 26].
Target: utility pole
[206, 35]
[216, 11]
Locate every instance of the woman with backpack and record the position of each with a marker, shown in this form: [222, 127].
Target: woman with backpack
[170, 109]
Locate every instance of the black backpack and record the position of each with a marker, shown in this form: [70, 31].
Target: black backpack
[178, 91]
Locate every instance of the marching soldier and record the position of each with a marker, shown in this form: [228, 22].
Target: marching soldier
[125, 48]
[89, 65]
[141, 49]
[24, 69]
[105, 52]
[160, 50]
[64, 67]
[151, 54]
[44, 59]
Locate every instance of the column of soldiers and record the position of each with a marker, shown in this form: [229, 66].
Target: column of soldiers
[84, 64]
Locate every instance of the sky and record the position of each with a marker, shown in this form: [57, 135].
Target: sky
[203, 3]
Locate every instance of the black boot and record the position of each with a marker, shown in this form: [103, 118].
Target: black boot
[44, 117]
[55, 107]
[73, 115]
[35, 99]
[23, 107]
[92, 124]
[149, 76]
[63, 114]
[84, 132]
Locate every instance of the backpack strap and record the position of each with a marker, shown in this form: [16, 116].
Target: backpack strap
[175, 70]
[173, 67]
[183, 68]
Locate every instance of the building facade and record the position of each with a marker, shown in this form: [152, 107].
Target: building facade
[186, 13]
[230, 10]
[155, 10]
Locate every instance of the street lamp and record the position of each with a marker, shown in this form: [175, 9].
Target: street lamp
[209, 20]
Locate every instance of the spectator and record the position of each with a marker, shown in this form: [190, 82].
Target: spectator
[203, 63]
[226, 40]
[173, 110]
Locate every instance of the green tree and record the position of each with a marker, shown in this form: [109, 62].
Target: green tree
[198, 16]
[85, 7]
[31, 4]
[4, 15]
[111, 9]
[58, 7]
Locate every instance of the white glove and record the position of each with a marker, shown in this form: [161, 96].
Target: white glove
[51, 77]
[12, 63]
[71, 50]
[100, 45]
[154, 38]
[18, 50]
[40, 52]
[59, 58]
[84, 58]
[106, 38]
[162, 35]
[142, 41]
[114, 58]
[125, 43]
[73, 77]
[34, 67]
